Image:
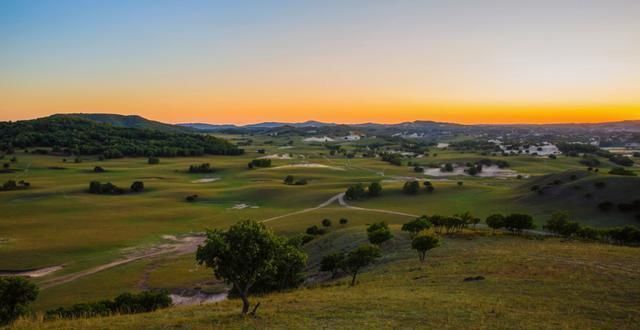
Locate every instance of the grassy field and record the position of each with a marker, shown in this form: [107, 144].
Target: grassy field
[56, 222]
[529, 284]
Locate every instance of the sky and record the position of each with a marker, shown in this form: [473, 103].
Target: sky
[511, 61]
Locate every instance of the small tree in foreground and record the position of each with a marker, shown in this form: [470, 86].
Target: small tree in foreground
[417, 225]
[360, 258]
[16, 293]
[423, 243]
[242, 256]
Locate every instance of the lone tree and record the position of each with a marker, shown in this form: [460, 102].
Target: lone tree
[379, 233]
[332, 263]
[360, 258]
[16, 293]
[375, 189]
[242, 256]
[495, 221]
[344, 221]
[289, 180]
[137, 186]
[326, 222]
[423, 243]
[516, 223]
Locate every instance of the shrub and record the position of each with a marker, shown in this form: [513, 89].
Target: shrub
[375, 189]
[622, 171]
[379, 233]
[417, 225]
[605, 206]
[621, 160]
[495, 221]
[202, 168]
[300, 182]
[153, 160]
[16, 293]
[516, 223]
[411, 187]
[126, 303]
[261, 162]
[343, 221]
[332, 263]
[98, 169]
[108, 188]
[191, 198]
[289, 179]
[137, 186]
[326, 222]
[355, 192]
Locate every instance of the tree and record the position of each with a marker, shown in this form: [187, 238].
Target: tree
[495, 221]
[137, 186]
[16, 293]
[355, 192]
[241, 256]
[428, 186]
[423, 243]
[344, 221]
[379, 233]
[411, 187]
[153, 160]
[326, 222]
[360, 258]
[289, 179]
[332, 263]
[375, 189]
[516, 223]
[417, 225]
[98, 169]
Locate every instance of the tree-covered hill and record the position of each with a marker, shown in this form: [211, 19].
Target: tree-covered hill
[79, 136]
[130, 121]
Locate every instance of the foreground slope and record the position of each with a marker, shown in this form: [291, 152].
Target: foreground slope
[529, 283]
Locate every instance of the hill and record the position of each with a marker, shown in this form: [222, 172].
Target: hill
[128, 121]
[93, 138]
[524, 284]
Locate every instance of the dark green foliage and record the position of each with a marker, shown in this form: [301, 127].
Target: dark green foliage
[428, 186]
[250, 257]
[16, 293]
[263, 162]
[590, 161]
[606, 206]
[516, 223]
[126, 303]
[332, 263]
[417, 225]
[98, 169]
[137, 186]
[393, 159]
[375, 189]
[355, 192]
[13, 185]
[448, 167]
[289, 179]
[300, 182]
[108, 188]
[560, 224]
[622, 171]
[344, 221]
[91, 138]
[315, 231]
[495, 221]
[411, 187]
[153, 160]
[326, 222]
[379, 233]
[202, 168]
[191, 198]
[360, 258]
[423, 243]
[621, 160]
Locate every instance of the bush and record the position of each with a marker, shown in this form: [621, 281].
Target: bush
[262, 162]
[137, 186]
[605, 206]
[343, 221]
[153, 160]
[622, 171]
[417, 225]
[326, 222]
[98, 169]
[332, 263]
[16, 293]
[516, 223]
[289, 179]
[411, 187]
[191, 198]
[300, 182]
[621, 160]
[202, 168]
[126, 303]
[375, 189]
[355, 192]
[108, 188]
[379, 233]
[495, 221]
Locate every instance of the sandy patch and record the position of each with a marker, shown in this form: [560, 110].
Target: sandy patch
[285, 147]
[311, 165]
[31, 272]
[205, 180]
[276, 156]
[442, 145]
[242, 206]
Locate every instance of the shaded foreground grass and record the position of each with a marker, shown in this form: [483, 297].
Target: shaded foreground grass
[529, 284]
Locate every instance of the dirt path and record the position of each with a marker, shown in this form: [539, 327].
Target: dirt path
[324, 204]
[185, 245]
[343, 203]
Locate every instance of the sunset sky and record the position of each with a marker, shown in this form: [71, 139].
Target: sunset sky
[340, 61]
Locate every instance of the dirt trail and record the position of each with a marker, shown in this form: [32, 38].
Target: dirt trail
[324, 204]
[185, 245]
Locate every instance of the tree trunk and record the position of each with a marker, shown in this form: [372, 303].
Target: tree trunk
[245, 301]
[353, 279]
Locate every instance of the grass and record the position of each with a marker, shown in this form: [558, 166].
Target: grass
[529, 284]
[56, 222]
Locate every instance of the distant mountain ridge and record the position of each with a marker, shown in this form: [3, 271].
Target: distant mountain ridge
[127, 121]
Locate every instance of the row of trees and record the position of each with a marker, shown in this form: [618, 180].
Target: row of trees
[95, 187]
[260, 162]
[13, 185]
[560, 224]
[291, 181]
[201, 168]
[413, 187]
